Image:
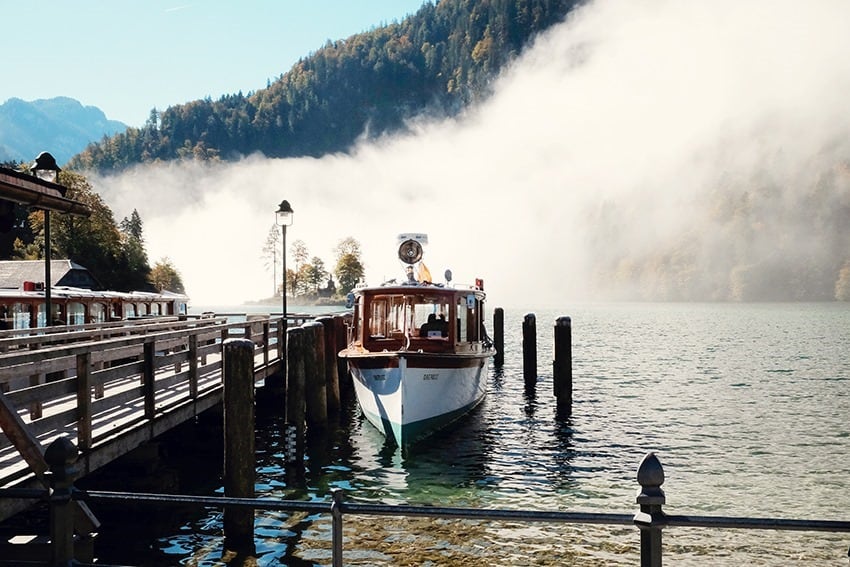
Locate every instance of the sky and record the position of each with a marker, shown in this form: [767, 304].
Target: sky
[640, 107]
[128, 57]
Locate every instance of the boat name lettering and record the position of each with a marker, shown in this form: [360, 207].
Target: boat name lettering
[430, 376]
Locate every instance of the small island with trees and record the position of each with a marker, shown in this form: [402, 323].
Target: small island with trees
[310, 281]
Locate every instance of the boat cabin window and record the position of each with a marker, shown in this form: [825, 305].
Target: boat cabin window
[417, 316]
[129, 310]
[469, 319]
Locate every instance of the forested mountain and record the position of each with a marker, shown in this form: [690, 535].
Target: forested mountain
[435, 61]
[67, 124]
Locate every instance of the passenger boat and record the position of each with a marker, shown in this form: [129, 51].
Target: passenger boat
[418, 351]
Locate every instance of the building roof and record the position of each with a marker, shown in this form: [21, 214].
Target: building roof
[31, 191]
[14, 273]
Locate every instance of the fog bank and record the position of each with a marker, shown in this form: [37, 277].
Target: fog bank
[644, 149]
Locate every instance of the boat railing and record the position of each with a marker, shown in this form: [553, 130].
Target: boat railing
[650, 519]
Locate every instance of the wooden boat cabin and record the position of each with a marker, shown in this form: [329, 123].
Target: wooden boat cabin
[418, 317]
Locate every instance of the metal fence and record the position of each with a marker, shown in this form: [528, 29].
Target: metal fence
[650, 519]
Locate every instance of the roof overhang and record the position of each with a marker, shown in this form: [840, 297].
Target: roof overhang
[34, 192]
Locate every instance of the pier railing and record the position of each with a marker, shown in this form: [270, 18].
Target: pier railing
[66, 548]
[111, 387]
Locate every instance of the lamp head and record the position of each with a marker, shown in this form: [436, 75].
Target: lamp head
[44, 167]
[284, 214]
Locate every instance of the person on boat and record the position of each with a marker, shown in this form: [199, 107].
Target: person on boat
[442, 325]
[429, 325]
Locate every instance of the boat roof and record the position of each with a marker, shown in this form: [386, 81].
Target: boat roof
[393, 287]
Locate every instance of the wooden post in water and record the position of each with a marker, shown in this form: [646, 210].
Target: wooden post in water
[499, 336]
[529, 350]
[562, 367]
[239, 459]
[314, 373]
[61, 457]
[345, 385]
[296, 403]
[331, 369]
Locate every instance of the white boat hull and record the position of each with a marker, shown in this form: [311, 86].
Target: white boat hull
[407, 396]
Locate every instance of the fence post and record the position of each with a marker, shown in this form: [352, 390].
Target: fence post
[239, 465]
[148, 379]
[336, 525]
[61, 457]
[84, 402]
[499, 336]
[651, 518]
[193, 366]
[529, 350]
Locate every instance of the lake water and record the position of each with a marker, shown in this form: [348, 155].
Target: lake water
[746, 405]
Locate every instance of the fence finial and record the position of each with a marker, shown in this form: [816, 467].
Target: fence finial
[650, 477]
[651, 518]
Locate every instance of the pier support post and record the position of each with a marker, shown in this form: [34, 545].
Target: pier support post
[651, 518]
[499, 336]
[331, 369]
[562, 367]
[239, 459]
[296, 404]
[314, 373]
[61, 457]
[529, 350]
[346, 387]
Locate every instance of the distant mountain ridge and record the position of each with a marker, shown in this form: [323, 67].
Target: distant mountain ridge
[60, 125]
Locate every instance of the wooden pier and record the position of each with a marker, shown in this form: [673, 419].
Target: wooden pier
[111, 387]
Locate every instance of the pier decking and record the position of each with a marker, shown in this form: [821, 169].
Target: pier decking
[111, 387]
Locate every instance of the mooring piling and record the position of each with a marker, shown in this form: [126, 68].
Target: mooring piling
[331, 369]
[562, 366]
[296, 403]
[499, 336]
[314, 374]
[529, 350]
[239, 457]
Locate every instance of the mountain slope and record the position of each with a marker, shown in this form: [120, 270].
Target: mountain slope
[61, 125]
[435, 61]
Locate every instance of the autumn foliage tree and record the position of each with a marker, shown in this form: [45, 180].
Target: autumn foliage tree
[165, 277]
[349, 268]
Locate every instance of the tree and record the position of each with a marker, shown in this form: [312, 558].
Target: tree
[164, 276]
[295, 277]
[133, 254]
[94, 242]
[271, 254]
[315, 274]
[349, 267]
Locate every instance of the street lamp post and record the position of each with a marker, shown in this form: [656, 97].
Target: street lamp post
[45, 168]
[283, 219]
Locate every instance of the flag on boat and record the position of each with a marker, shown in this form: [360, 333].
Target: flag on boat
[424, 273]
